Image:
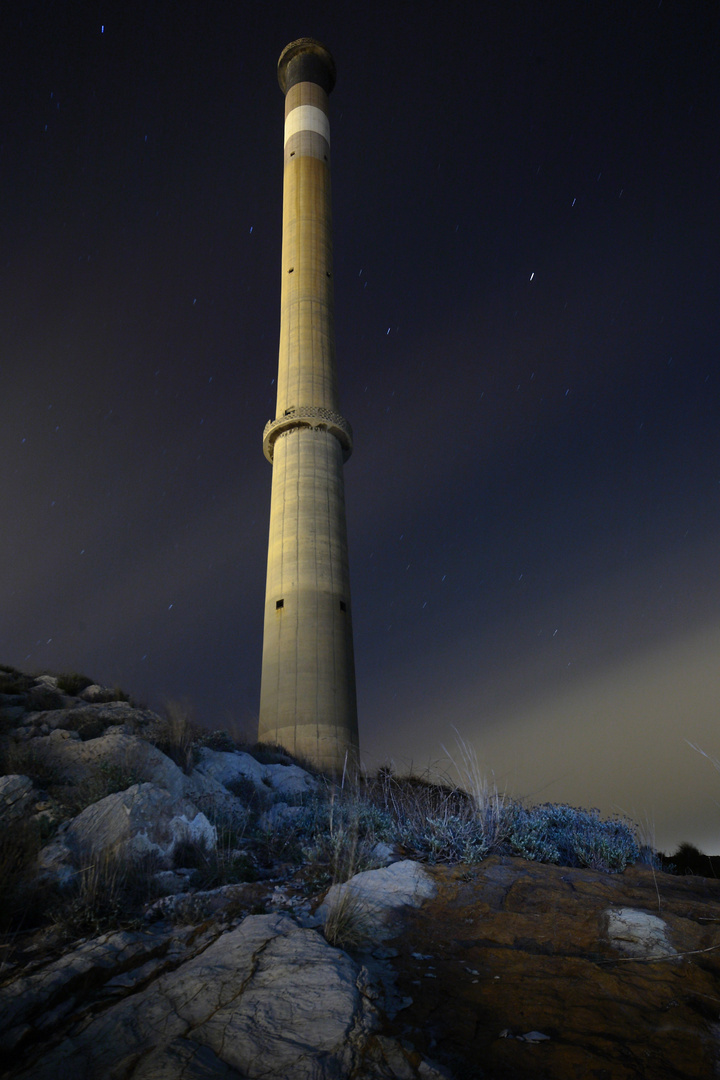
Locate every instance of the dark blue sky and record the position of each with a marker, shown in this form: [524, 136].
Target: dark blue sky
[526, 267]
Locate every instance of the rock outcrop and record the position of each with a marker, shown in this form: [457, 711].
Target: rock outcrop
[267, 1000]
[75, 761]
[282, 781]
[528, 971]
[17, 795]
[142, 820]
[506, 969]
[374, 898]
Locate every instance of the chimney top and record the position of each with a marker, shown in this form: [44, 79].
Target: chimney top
[306, 60]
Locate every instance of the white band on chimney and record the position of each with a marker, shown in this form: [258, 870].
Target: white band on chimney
[307, 118]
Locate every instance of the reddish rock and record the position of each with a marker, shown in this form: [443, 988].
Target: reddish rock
[513, 948]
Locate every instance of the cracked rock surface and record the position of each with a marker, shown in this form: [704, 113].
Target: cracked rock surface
[503, 970]
[518, 970]
[267, 999]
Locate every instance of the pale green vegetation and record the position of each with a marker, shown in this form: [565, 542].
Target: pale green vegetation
[316, 841]
[324, 839]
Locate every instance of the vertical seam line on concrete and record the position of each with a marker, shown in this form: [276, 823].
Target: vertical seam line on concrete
[281, 583]
[296, 436]
[328, 455]
[317, 597]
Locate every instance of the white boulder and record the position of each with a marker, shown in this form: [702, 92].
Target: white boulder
[269, 780]
[637, 933]
[377, 894]
[114, 751]
[144, 819]
[98, 695]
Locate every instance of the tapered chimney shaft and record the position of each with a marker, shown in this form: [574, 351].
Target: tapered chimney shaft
[307, 701]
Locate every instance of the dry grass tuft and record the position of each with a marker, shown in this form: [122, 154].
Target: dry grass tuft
[21, 901]
[178, 733]
[438, 820]
[110, 891]
[349, 922]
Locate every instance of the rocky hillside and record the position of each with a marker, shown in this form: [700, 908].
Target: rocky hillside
[175, 906]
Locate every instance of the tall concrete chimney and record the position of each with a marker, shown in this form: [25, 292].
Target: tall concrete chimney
[307, 699]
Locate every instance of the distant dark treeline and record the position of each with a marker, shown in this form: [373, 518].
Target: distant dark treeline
[688, 860]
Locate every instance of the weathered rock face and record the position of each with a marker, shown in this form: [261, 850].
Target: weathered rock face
[279, 780]
[637, 933]
[75, 760]
[520, 970]
[91, 719]
[505, 970]
[266, 1000]
[95, 754]
[17, 795]
[377, 896]
[144, 819]
[45, 695]
[98, 695]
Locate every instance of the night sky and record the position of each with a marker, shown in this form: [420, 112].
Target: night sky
[527, 245]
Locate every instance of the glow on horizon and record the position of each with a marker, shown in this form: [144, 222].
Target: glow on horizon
[616, 739]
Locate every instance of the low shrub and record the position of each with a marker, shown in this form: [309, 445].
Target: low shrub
[224, 864]
[13, 681]
[337, 835]
[448, 838]
[245, 789]
[106, 779]
[43, 698]
[71, 682]
[220, 740]
[688, 859]
[568, 836]
[401, 795]
[439, 822]
[25, 759]
[331, 832]
[225, 868]
[284, 839]
[190, 854]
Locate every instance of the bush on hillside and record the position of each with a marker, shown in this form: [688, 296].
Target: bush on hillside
[220, 740]
[71, 682]
[568, 836]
